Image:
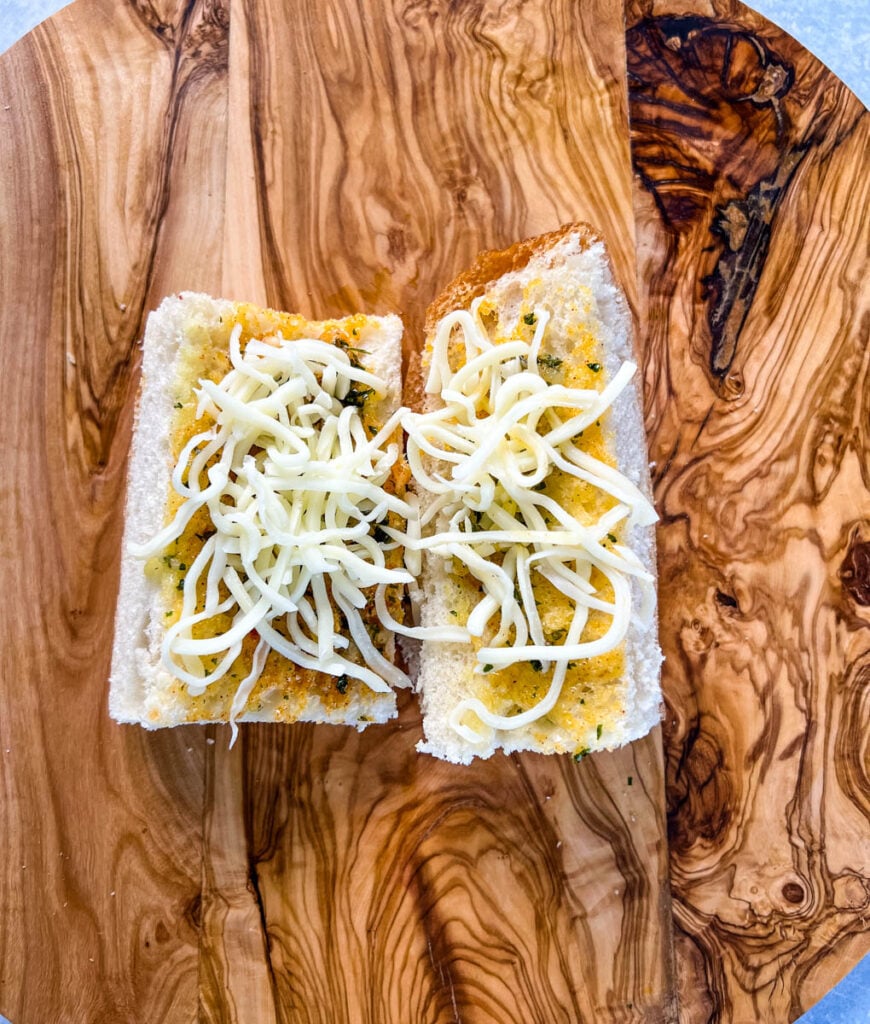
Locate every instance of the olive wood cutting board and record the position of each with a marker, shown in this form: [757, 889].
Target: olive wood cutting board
[327, 158]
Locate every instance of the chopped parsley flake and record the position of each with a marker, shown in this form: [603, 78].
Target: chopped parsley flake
[356, 396]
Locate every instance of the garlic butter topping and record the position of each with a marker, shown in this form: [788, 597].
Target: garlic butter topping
[484, 459]
[294, 486]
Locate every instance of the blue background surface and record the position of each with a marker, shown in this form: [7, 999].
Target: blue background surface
[848, 1003]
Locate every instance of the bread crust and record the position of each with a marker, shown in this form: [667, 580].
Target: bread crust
[492, 264]
[488, 267]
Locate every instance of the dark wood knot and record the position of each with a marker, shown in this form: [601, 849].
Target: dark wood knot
[193, 911]
[855, 572]
[713, 145]
[793, 893]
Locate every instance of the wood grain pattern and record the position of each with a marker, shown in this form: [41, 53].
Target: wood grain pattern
[432, 130]
[394, 887]
[100, 837]
[751, 199]
[333, 157]
[234, 960]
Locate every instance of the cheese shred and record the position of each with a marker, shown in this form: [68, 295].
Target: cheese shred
[294, 488]
[484, 458]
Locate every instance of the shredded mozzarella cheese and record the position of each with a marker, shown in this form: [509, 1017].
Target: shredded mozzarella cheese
[502, 430]
[293, 485]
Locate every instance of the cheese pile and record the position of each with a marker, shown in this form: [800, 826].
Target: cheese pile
[485, 456]
[294, 487]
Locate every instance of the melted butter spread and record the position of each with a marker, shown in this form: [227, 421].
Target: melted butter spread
[251, 674]
[528, 510]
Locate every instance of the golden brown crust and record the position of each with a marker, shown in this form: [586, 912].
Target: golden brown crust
[493, 264]
[488, 267]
